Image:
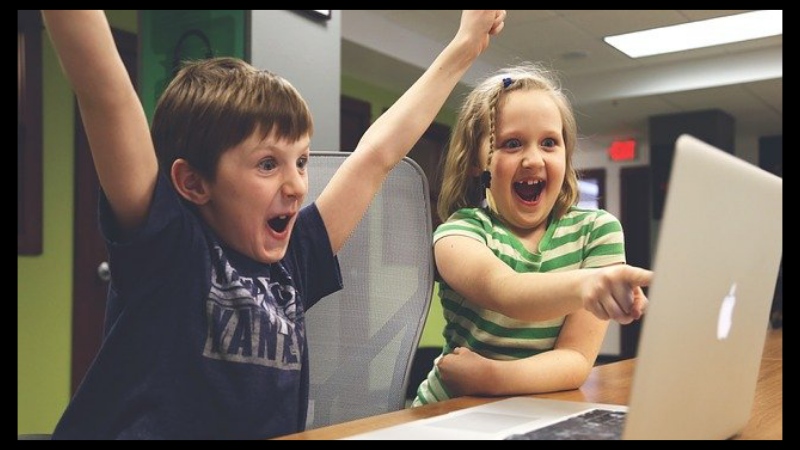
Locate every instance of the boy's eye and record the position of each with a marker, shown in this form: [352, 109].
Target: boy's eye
[302, 162]
[267, 164]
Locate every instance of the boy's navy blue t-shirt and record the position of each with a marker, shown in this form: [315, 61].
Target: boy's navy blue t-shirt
[201, 342]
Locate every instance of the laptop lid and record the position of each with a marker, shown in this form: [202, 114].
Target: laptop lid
[716, 263]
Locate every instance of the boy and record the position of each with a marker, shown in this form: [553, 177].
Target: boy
[213, 261]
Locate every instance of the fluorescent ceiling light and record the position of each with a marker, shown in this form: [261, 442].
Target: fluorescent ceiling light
[703, 33]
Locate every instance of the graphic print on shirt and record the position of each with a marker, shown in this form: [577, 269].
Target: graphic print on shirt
[252, 320]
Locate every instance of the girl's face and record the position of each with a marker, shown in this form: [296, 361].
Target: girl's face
[529, 162]
[255, 197]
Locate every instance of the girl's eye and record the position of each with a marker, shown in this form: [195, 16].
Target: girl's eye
[512, 143]
[268, 164]
[549, 142]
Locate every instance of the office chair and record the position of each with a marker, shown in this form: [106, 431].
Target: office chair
[362, 339]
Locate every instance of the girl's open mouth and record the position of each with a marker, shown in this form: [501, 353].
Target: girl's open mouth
[529, 190]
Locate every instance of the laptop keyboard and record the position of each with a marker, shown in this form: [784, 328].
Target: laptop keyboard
[596, 424]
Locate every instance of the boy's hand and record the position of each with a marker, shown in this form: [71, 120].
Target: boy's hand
[481, 25]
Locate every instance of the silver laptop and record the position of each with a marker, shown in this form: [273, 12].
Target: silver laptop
[716, 265]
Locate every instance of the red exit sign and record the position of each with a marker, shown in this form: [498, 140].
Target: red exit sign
[622, 150]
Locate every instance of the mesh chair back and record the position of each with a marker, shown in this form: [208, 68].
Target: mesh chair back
[362, 340]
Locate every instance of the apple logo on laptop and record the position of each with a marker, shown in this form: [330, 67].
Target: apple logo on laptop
[725, 319]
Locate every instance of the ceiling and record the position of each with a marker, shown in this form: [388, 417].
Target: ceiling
[613, 95]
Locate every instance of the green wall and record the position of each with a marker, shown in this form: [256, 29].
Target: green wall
[381, 99]
[161, 30]
[44, 282]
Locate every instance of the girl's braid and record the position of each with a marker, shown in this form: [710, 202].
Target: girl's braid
[493, 118]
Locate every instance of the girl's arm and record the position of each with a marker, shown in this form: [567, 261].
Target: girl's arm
[344, 201]
[472, 270]
[113, 116]
[565, 367]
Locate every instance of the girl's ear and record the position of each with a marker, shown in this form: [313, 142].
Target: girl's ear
[475, 171]
[189, 184]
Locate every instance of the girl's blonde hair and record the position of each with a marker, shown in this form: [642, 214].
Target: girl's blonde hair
[476, 121]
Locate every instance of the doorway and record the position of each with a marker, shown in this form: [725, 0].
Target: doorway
[90, 274]
[635, 184]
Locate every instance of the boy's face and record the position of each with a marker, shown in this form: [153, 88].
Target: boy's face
[254, 200]
[529, 161]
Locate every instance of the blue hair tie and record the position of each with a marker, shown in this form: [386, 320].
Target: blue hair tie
[507, 82]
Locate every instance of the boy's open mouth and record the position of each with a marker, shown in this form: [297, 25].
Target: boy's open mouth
[529, 190]
[279, 223]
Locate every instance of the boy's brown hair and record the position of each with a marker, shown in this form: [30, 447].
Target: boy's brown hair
[214, 104]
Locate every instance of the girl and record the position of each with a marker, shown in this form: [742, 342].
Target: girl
[528, 280]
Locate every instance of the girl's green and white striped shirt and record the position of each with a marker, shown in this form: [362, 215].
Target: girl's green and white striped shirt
[582, 238]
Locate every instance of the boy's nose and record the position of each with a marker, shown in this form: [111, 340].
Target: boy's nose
[295, 184]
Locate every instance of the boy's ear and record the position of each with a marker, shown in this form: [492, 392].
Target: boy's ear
[189, 184]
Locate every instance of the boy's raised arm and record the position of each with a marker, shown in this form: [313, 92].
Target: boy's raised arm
[112, 114]
[391, 137]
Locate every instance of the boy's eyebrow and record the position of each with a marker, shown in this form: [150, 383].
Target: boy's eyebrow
[273, 146]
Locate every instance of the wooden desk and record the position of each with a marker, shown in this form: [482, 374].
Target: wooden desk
[609, 383]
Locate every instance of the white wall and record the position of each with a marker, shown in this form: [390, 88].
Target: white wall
[307, 52]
